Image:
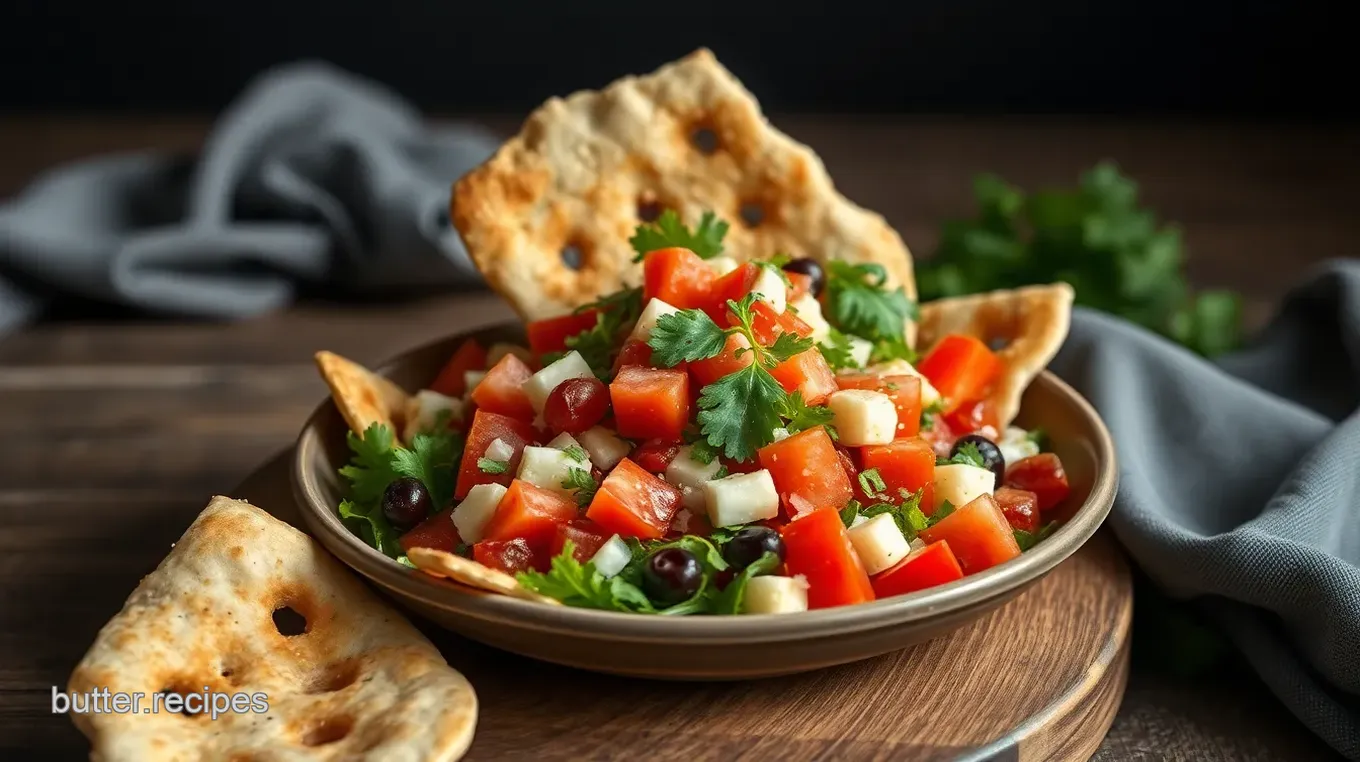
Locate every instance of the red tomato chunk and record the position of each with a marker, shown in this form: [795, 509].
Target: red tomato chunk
[817, 547]
[550, 334]
[450, 381]
[1043, 475]
[650, 403]
[807, 373]
[904, 464]
[585, 534]
[633, 503]
[807, 472]
[1021, 508]
[576, 404]
[509, 556]
[676, 276]
[655, 455]
[726, 362]
[486, 428]
[529, 513]
[437, 532]
[978, 533]
[502, 390]
[961, 368]
[932, 565]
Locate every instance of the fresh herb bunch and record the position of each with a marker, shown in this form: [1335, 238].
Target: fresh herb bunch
[1094, 237]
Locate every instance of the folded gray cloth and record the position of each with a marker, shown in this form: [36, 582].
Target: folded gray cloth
[313, 177]
[1240, 485]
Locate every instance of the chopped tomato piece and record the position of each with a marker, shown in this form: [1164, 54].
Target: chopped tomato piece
[531, 513]
[978, 533]
[486, 428]
[733, 286]
[1043, 475]
[676, 276]
[807, 472]
[437, 532]
[724, 363]
[655, 455]
[584, 533]
[510, 556]
[817, 547]
[903, 390]
[637, 353]
[962, 368]
[904, 464]
[851, 472]
[686, 522]
[767, 324]
[650, 403]
[932, 565]
[806, 372]
[1020, 507]
[973, 416]
[550, 334]
[801, 284]
[450, 382]
[502, 390]
[633, 503]
[940, 436]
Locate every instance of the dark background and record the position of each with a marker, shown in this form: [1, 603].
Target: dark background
[1256, 59]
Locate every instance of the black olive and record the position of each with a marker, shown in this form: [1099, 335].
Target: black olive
[749, 544]
[812, 269]
[406, 502]
[992, 459]
[671, 576]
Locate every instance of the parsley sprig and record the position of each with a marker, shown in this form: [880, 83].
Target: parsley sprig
[668, 230]
[580, 480]
[859, 302]
[836, 349]
[968, 455]
[615, 314]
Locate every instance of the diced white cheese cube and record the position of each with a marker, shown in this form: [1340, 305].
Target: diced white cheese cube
[424, 408]
[1016, 445]
[771, 288]
[929, 394]
[470, 380]
[500, 349]
[810, 311]
[723, 265]
[775, 595]
[741, 499]
[860, 349]
[689, 475]
[612, 556]
[779, 434]
[605, 447]
[642, 330]
[500, 450]
[564, 441]
[547, 467]
[863, 417]
[541, 384]
[879, 543]
[471, 515]
[961, 484]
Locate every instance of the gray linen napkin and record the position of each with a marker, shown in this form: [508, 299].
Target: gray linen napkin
[312, 178]
[1240, 484]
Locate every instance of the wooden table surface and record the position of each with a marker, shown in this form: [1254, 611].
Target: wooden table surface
[116, 433]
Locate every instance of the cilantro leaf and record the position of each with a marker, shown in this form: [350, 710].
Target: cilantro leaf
[849, 513]
[580, 480]
[940, 513]
[367, 521]
[668, 230]
[404, 561]
[433, 459]
[577, 584]
[596, 345]
[370, 468]
[836, 351]
[738, 412]
[801, 416]
[702, 452]
[720, 536]
[721, 473]
[786, 345]
[886, 350]
[857, 302]
[1039, 437]
[872, 482]
[1027, 540]
[577, 453]
[687, 335]
[702, 548]
[489, 466]
[627, 301]
[967, 455]
[929, 413]
[906, 514]
[732, 599]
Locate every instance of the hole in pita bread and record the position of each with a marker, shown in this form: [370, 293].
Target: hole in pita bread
[752, 214]
[573, 257]
[328, 731]
[335, 677]
[289, 622]
[998, 343]
[649, 211]
[705, 140]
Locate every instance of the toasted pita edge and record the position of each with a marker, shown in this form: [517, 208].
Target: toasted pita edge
[583, 168]
[363, 397]
[441, 563]
[1032, 321]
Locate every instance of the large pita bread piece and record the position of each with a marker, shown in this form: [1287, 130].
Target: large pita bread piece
[364, 397]
[1032, 322]
[583, 168]
[439, 563]
[359, 683]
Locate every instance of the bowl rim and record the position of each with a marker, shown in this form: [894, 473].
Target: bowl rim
[956, 596]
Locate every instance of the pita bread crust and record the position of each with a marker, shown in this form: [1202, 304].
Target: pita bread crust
[580, 168]
[204, 618]
[1033, 320]
[440, 563]
[363, 397]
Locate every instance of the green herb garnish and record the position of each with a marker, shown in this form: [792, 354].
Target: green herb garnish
[668, 230]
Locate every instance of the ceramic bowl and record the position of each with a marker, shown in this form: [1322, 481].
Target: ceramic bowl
[706, 648]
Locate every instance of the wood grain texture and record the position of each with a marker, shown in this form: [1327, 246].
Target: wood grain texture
[115, 434]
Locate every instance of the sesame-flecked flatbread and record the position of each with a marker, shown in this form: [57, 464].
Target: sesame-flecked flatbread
[586, 169]
[246, 604]
[439, 563]
[1032, 323]
[363, 397]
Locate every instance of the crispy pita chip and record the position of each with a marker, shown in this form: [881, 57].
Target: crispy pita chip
[364, 397]
[439, 563]
[1032, 322]
[357, 682]
[585, 170]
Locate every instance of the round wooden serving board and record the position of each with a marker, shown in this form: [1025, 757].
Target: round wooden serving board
[1038, 679]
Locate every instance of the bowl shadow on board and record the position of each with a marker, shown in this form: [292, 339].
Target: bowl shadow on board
[705, 648]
